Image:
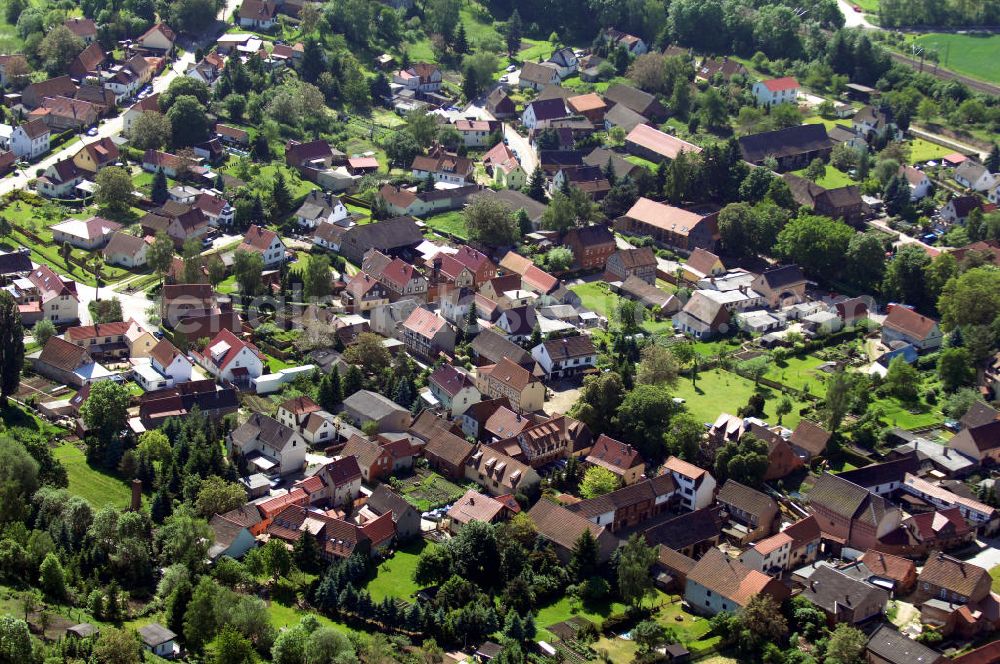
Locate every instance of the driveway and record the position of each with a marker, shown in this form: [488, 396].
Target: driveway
[522, 147]
[134, 305]
[563, 395]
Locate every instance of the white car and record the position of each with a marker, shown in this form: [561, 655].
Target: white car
[511, 68]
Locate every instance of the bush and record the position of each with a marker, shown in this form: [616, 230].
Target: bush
[613, 623]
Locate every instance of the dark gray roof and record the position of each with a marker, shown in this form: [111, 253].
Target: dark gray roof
[388, 234]
[384, 499]
[882, 473]
[687, 529]
[624, 117]
[518, 201]
[749, 500]
[833, 591]
[600, 156]
[372, 404]
[784, 142]
[891, 646]
[546, 109]
[780, 277]
[14, 262]
[155, 634]
[633, 98]
[266, 429]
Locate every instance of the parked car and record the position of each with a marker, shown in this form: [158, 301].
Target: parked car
[92, 131]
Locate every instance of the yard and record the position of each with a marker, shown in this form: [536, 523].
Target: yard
[800, 373]
[567, 607]
[995, 575]
[94, 486]
[829, 123]
[426, 490]
[452, 222]
[832, 179]
[898, 414]
[394, 577]
[720, 391]
[922, 150]
[596, 297]
[974, 55]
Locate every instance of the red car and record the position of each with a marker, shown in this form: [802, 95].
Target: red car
[856, 8]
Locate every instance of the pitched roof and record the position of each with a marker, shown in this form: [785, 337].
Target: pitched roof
[689, 528]
[785, 142]
[890, 646]
[956, 575]
[62, 354]
[838, 495]
[366, 451]
[449, 447]
[749, 500]
[729, 578]
[811, 437]
[88, 229]
[667, 217]
[780, 84]
[81, 27]
[383, 499]
[225, 348]
[546, 109]
[662, 144]
[560, 526]
[474, 506]
[535, 72]
[622, 116]
[887, 565]
[34, 128]
[341, 471]
[630, 97]
[114, 329]
[265, 429]
[424, 323]
[908, 322]
[567, 348]
[706, 310]
[701, 260]
[512, 375]
[450, 379]
[833, 591]
[625, 497]
[372, 404]
[614, 455]
[494, 347]
[636, 257]
[258, 238]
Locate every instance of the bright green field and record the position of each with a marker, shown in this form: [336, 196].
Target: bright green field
[89, 483]
[921, 150]
[566, 608]
[972, 55]
[829, 123]
[394, 577]
[719, 391]
[595, 296]
[798, 373]
[449, 222]
[832, 179]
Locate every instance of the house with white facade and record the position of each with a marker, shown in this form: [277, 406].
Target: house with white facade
[56, 298]
[695, 486]
[30, 140]
[454, 388]
[565, 357]
[919, 183]
[774, 91]
[973, 175]
[265, 242]
[165, 367]
[268, 446]
[227, 357]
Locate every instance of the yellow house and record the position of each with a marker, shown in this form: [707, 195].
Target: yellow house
[525, 391]
[502, 164]
[95, 156]
[140, 340]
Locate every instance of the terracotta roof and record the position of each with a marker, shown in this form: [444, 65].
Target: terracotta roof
[614, 455]
[656, 141]
[515, 262]
[258, 238]
[505, 423]
[34, 128]
[424, 323]
[666, 217]
[449, 447]
[164, 352]
[300, 405]
[908, 322]
[81, 27]
[701, 260]
[513, 375]
[683, 468]
[364, 450]
[729, 578]
[474, 506]
[587, 102]
[62, 354]
[780, 84]
[888, 566]
[162, 28]
[803, 531]
[115, 329]
[233, 347]
[539, 280]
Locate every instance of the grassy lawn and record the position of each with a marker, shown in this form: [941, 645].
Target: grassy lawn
[832, 179]
[869, 6]
[799, 373]
[91, 484]
[974, 55]
[829, 123]
[896, 414]
[639, 161]
[275, 364]
[567, 608]
[394, 577]
[595, 296]
[719, 391]
[452, 222]
[921, 150]
[995, 575]
[228, 285]
[287, 616]
[712, 348]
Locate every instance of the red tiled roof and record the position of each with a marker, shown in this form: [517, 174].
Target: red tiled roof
[780, 84]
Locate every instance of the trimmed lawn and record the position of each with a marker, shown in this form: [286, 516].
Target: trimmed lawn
[974, 55]
[798, 373]
[567, 608]
[712, 348]
[829, 123]
[275, 364]
[832, 179]
[394, 577]
[896, 414]
[639, 161]
[452, 222]
[995, 575]
[596, 296]
[91, 484]
[288, 616]
[719, 391]
[923, 150]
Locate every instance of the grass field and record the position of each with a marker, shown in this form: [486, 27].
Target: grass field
[94, 486]
[719, 391]
[995, 575]
[394, 577]
[896, 414]
[829, 123]
[921, 150]
[566, 608]
[595, 296]
[970, 54]
[452, 222]
[799, 373]
[832, 179]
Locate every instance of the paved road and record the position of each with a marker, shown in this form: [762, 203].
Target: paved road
[522, 147]
[133, 305]
[853, 19]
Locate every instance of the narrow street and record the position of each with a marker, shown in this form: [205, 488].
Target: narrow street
[522, 148]
[853, 19]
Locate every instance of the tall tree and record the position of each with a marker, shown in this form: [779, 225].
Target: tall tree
[11, 346]
[160, 254]
[159, 193]
[635, 561]
[583, 562]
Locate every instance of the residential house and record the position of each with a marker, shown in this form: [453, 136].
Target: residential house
[500, 105]
[268, 445]
[958, 209]
[754, 514]
[60, 86]
[413, 201]
[427, 335]
[702, 317]
[624, 117]
[167, 367]
[618, 39]
[905, 324]
[888, 646]
[843, 598]
[871, 123]
[159, 640]
[86, 234]
[454, 388]
[563, 528]
[375, 461]
[669, 225]
[538, 76]
[625, 263]
[87, 61]
[172, 165]
[420, 77]
[591, 180]
[565, 61]
[232, 535]
[158, 38]
[769, 555]
[590, 106]
[65, 113]
[474, 506]
[973, 175]
[84, 28]
[724, 67]
[900, 571]
[150, 104]
[851, 515]
[60, 179]
[691, 533]
[488, 347]
[840, 203]
[566, 357]
[809, 439]
[474, 133]
[442, 166]
[364, 292]
[212, 400]
[257, 15]
[955, 595]
[30, 140]
[227, 357]
[642, 103]
[652, 144]
[364, 406]
[919, 183]
[92, 157]
[57, 298]
[448, 453]
[234, 135]
[980, 442]
[621, 459]
[628, 506]
[591, 245]
[502, 164]
[265, 242]
[781, 286]
[792, 147]
[718, 583]
[775, 91]
[541, 110]
[310, 154]
[695, 486]
[384, 500]
[525, 391]
[500, 474]
[321, 208]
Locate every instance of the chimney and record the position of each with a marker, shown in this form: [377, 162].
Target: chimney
[136, 503]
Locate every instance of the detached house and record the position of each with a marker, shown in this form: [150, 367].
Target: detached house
[30, 140]
[871, 122]
[562, 528]
[920, 184]
[776, 91]
[634, 45]
[591, 246]
[781, 286]
[257, 15]
[125, 250]
[565, 357]
[84, 28]
[442, 166]
[268, 445]
[624, 263]
[843, 598]
[695, 486]
[427, 335]
[975, 176]
[227, 357]
[905, 324]
[419, 77]
[718, 583]
[702, 317]
[454, 389]
[264, 242]
[86, 234]
[57, 299]
[160, 38]
[538, 76]
[167, 367]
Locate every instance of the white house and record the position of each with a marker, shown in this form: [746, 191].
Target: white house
[474, 133]
[569, 356]
[920, 184]
[86, 234]
[268, 446]
[57, 299]
[634, 45]
[543, 109]
[973, 175]
[158, 640]
[769, 554]
[320, 207]
[695, 486]
[30, 140]
[228, 357]
[419, 77]
[454, 389]
[168, 361]
[264, 242]
[776, 91]
[565, 61]
[160, 37]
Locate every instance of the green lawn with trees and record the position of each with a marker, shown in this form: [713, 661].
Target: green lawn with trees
[720, 391]
[96, 486]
